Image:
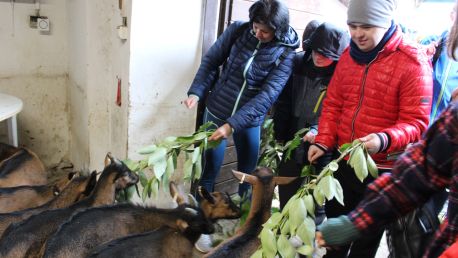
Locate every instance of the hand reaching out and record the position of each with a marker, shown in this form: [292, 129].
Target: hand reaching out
[223, 131]
[314, 153]
[191, 101]
[372, 143]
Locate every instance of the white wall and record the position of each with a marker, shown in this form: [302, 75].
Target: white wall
[165, 53]
[97, 58]
[34, 68]
[430, 18]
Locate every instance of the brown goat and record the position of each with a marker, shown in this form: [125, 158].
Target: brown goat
[158, 243]
[164, 242]
[88, 229]
[78, 188]
[30, 196]
[22, 167]
[7, 150]
[24, 239]
[245, 242]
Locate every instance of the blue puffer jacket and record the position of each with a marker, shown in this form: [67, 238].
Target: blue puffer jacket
[445, 76]
[252, 77]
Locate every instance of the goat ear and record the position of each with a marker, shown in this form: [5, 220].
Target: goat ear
[283, 180]
[71, 175]
[175, 193]
[108, 159]
[244, 177]
[182, 225]
[206, 195]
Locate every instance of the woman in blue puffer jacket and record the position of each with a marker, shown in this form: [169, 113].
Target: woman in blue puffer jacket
[256, 59]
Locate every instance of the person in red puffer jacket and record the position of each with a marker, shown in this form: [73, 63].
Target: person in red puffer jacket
[380, 93]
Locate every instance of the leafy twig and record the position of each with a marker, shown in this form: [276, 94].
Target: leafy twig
[292, 231]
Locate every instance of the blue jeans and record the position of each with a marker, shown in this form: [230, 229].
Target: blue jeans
[247, 144]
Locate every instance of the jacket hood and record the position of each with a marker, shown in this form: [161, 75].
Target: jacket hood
[329, 41]
[290, 39]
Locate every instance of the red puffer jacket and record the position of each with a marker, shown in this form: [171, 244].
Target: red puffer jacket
[392, 94]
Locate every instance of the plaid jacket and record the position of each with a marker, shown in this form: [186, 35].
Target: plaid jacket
[427, 167]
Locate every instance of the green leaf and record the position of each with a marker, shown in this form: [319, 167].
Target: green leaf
[339, 192]
[170, 167]
[309, 204]
[158, 155]
[159, 168]
[257, 254]
[305, 250]
[327, 186]
[185, 139]
[358, 162]
[200, 136]
[195, 154]
[149, 187]
[285, 209]
[206, 126]
[285, 228]
[187, 169]
[371, 166]
[175, 157]
[269, 243]
[154, 187]
[146, 190]
[198, 169]
[318, 195]
[344, 147]
[310, 227]
[132, 165]
[302, 132]
[297, 215]
[165, 183]
[293, 144]
[143, 178]
[170, 139]
[213, 144]
[308, 170]
[267, 123]
[304, 234]
[147, 149]
[273, 220]
[285, 248]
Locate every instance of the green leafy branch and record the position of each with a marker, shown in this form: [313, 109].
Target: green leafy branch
[162, 158]
[272, 151]
[292, 230]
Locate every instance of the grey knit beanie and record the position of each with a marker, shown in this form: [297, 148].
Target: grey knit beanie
[378, 13]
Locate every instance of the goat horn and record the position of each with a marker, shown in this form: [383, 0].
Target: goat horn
[192, 201]
[191, 211]
[282, 180]
[243, 177]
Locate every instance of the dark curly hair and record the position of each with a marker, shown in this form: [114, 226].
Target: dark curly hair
[272, 13]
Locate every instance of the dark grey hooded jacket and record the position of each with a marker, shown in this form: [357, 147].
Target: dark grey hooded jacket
[299, 105]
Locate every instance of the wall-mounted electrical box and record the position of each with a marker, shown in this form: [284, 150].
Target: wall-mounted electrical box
[33, 21]
[43, 24]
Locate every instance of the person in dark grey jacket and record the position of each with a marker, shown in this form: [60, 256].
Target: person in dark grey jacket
[299, 105]
[256, 60]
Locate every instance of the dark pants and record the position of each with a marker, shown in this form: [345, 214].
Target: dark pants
[353, 190]
[247, 142]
